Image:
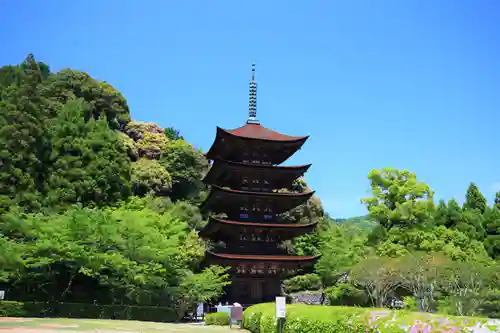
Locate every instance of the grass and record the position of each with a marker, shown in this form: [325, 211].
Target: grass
[62, 325]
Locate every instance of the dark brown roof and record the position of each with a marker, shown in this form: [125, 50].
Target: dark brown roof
[263, 194]
[259, 132]
[285, 174]
[262, 257]
[265, 225]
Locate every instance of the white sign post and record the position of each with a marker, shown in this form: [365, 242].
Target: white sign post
[280, 307]
[2, 294]
[280, 312]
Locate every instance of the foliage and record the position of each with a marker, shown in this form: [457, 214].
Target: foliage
[346, 294]
[302, 282]
[466, 284]
[452, 243]
[491, 219]
[117, 255]
[378, 276]
[217, 318]
[421, 274]
[87, 164]
[105, 101]
[331, 319]
[22, 138]
[186, 166]
[474, 199]
[172, 134]
[361, 222]
[342, 246]
[399, 199]
[149, 177]
[11, 309]
[201, 287]
[94, 311]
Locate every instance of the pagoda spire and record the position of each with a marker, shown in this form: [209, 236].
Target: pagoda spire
[252, 102]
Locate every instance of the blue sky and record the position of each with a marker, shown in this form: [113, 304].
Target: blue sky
[388, 83]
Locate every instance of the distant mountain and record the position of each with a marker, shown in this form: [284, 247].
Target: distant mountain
[362, 222]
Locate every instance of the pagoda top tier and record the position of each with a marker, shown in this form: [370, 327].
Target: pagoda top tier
[250, 139]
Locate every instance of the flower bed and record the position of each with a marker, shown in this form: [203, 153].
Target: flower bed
[334, 319]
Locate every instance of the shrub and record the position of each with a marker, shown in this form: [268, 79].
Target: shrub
[335, 319]
[217, 318]
[93, 311]
[11, 309]
[302, 282]
[346, 294]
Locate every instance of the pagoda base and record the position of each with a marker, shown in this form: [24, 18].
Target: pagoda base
[252, 290]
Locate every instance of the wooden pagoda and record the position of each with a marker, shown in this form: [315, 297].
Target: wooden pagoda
[245, 177]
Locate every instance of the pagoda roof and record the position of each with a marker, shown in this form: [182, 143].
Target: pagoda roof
[259, 132]
[214, 224]
[292, 199]
[253, 132]
[249, 257]
[264, 225]
[290, 173]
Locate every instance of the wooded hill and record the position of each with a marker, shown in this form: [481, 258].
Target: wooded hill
[98, 208]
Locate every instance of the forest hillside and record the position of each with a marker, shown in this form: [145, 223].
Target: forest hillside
[96, 208]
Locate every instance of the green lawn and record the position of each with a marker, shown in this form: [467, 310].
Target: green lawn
[63, 325]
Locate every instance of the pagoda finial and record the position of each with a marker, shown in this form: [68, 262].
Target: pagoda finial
[252, 105]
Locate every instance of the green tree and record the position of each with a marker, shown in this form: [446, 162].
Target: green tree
[492, 226]
[420, 273]
[467, 283]
[104, 101]
[186, 166]
[441, 214]
[474, 199]
[88, 164]
[23, 144]
[149, 177]
[496, 202]
[342, 247]
[453, 243]
[471, 224]
[398, 199]
[454, 216]
[378, 276]
[173, 134]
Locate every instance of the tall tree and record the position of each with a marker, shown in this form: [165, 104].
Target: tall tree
[398, 199]
[186, 166]
[492, 226]
[496, 202]
[104, 101]
[173, 134]
[88, 164]
[474, 199]
[23, 143]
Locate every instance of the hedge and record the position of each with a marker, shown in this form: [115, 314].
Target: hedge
[217, 318]
[336, 319]
[301, 283]
[92, 311]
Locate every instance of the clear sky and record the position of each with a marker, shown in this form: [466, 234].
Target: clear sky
[388, 83]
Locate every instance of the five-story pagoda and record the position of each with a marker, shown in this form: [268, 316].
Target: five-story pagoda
[245, 178]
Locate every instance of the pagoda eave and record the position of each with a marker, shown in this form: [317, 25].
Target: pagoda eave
[253, 133]
[219, 167]
[215, 225]
[218, 193]
[262, 258]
